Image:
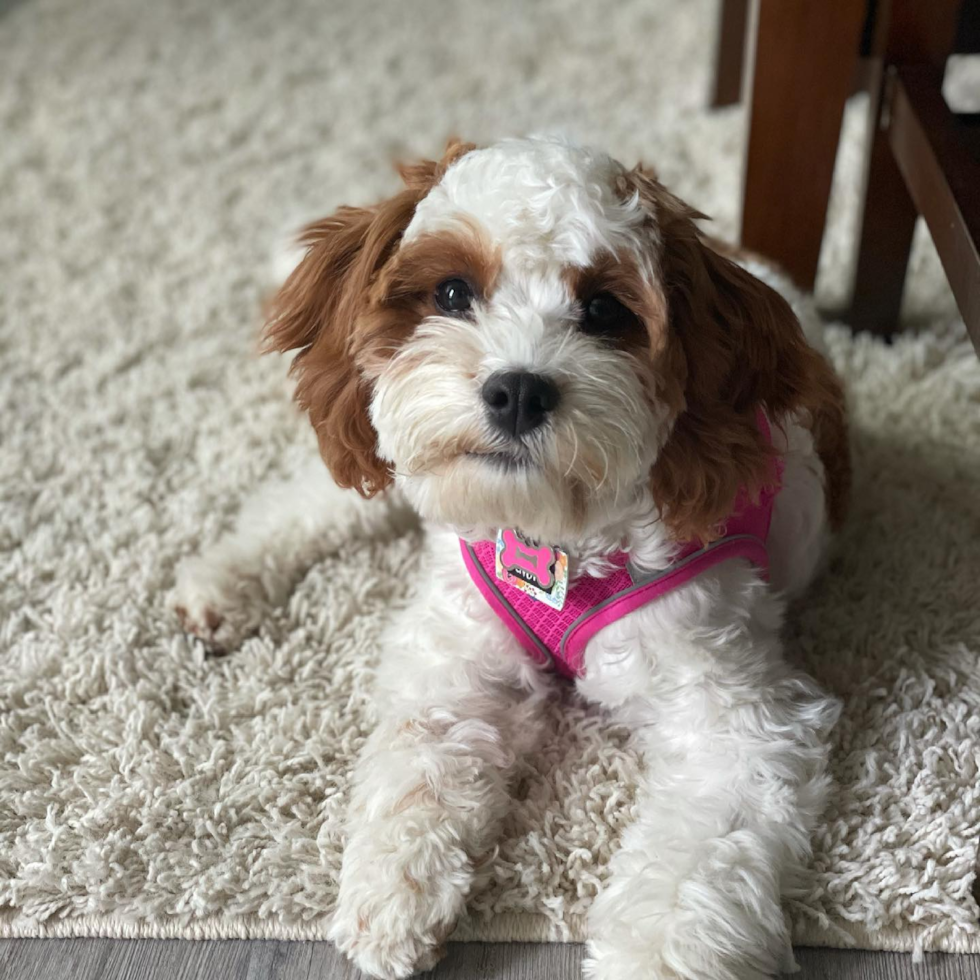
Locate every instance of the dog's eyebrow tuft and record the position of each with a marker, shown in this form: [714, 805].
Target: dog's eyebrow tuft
[464, 251]
[621, 276]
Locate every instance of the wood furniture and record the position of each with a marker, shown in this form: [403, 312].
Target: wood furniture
[798, 61]
[733, 19]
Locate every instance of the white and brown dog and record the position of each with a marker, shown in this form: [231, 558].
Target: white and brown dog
[627, 457]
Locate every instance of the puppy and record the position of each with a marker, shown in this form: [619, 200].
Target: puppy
[627, 457]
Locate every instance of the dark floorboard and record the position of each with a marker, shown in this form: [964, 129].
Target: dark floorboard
[153, 959]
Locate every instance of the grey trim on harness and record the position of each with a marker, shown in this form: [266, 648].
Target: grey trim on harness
[642, 579]
[513, 612]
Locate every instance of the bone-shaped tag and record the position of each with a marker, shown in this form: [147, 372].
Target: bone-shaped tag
[523, 560]
[540, 572]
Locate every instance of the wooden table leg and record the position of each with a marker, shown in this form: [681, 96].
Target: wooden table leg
[805, 57]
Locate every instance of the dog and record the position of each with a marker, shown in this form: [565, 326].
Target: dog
[628, 458]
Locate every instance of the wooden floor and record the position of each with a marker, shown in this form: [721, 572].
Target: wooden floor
[172, 959]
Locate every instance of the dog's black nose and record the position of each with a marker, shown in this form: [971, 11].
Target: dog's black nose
[518, 401]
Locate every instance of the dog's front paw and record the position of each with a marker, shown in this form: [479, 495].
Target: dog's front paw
[384, 937]
[613, 960]
[387, 949]
[722, 920]
[634, 959]
[398, 901]
[217, 605]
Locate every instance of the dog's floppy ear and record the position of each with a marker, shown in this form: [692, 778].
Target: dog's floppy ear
[318, 309]
[742, 350]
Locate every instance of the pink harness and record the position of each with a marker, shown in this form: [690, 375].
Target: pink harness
[559, 637]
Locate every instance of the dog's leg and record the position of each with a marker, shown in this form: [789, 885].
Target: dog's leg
[458, 704]
[734, 755]
[224, 593]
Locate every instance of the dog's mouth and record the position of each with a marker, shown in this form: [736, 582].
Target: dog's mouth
[502, 459]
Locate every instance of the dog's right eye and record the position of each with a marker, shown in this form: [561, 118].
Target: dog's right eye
[454, 296]
[605, 316]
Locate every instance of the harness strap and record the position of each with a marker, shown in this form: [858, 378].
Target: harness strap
[647, 589]
[488, 587]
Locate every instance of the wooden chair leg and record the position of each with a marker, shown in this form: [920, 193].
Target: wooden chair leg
[805, 58]
[910, 32]
[885, 240]
[933, 149]
[733, 18]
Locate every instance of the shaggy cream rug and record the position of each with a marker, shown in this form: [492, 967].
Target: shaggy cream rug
[151, 155]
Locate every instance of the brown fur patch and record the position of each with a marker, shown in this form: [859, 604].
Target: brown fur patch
[736, 346]
[427, 173]
[658, 367]
[730, 250]
[403, 294]
[620, 276]
[321, 311]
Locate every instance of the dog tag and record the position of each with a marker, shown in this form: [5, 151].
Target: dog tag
[539, 572]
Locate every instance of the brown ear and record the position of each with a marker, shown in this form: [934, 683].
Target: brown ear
[743, 350]
[318, 310]
[426, 173]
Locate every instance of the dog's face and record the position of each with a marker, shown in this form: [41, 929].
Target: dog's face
[527, 393]
[531, 336]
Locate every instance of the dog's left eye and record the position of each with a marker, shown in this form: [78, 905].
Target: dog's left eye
[454, 296]
[605, 316]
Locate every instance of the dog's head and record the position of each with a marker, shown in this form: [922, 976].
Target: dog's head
[530, 335]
